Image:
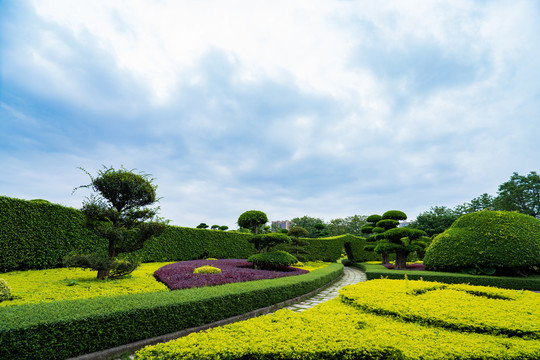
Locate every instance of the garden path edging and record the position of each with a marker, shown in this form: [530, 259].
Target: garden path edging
[130, 348]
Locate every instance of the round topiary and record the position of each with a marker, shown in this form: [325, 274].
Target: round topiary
[5, 290]
[487, 240]
[252, 220]
[373, 218]
[394, 214]
[272, 260]
[207, 270]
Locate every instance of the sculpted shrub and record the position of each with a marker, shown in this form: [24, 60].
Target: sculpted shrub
[5, 290]
[207, 270]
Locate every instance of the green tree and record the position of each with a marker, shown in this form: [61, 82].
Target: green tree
[521, 193]
[435, 221]
[401, 241]
[307, 223]
[119, 213]
[264, 242]
[202, 226]
[253, 220]
[223, 227]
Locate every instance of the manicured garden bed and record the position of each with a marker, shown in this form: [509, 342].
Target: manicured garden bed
[180, 275]
[380, 319]
[376, 271]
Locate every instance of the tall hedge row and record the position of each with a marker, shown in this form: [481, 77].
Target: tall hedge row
[181, 243]
[38, 234]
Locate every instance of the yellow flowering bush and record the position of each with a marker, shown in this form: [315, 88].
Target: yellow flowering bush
[39, 286]
[335, 330]
[458, 306]
[207, 270]
[311, 265]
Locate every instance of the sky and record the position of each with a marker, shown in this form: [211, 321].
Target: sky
[291, 107]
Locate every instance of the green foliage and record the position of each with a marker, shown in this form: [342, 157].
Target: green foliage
[386, 224]
[252, 220]
[376, 271]
[435, 221]
[202, 226]
[182, 243]
[395, 215]
[66, 329]
[297, 231]
[272, 260]
[307, 223]
[223, 228]
[325, 249]
[264, 242]
[355, 249]
[5, 291]
[38, 235]
[116, 267]
[488, 239]
[520, 193]
[119, 213]
[207, 270]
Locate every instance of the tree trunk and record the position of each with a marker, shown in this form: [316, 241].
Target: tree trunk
[102, 274]
[385, 258]
[401, 260]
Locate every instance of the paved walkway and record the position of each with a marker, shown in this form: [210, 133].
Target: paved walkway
[351, 276]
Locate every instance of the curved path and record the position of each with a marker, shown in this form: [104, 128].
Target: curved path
[350, 276]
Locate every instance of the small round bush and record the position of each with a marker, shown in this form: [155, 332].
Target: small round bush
[373, 218]
[5, 290]
[487, 239]
[272, 260]
[207, 270]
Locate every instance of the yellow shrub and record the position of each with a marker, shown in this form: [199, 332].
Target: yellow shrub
[207, 270]
[338, 331]
[37, 286]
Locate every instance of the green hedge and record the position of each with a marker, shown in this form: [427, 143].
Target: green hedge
[505, 282]
[70, 328]
[325, 249]
[181, 243]
[354, 248]
[38, 234]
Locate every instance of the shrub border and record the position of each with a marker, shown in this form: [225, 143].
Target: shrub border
[376, 271]
[66, 329]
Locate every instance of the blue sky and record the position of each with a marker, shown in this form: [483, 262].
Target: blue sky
[319, 108]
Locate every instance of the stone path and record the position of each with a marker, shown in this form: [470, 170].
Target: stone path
[350, 276]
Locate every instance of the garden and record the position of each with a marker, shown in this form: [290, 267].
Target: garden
[76, 282]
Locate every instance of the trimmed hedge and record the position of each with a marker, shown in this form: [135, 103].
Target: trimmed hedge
[38, 234]
[182, 243]
[487, 239]
[354, 248]
[65, 329]
[518, 283]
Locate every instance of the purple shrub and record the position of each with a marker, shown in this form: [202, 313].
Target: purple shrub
[180, 275]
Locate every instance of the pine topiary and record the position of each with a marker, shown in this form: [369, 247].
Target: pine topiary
[486, 242]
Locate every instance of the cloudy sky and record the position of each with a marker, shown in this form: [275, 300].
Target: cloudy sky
[319, 108]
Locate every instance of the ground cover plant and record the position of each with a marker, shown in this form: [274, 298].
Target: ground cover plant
[180, 275]
[346, 329]
[41, 286]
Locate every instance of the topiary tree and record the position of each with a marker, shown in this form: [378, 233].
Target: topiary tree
[297, 246]
[202, 226]
[264, 242]
[401, 241]
[252, 220]
[119, 214]
[223, 227]
[487, 242]
[214, 227]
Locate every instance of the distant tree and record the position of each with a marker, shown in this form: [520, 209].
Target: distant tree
[521, 193]
[435, 221]
[202, 226]
[298, 231]
[119, 214]
[320, 230]
[307, 223]
[214, 227]
[253, 220]
[223, 228]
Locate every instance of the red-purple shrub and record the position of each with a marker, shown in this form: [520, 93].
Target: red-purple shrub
[180, 275]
